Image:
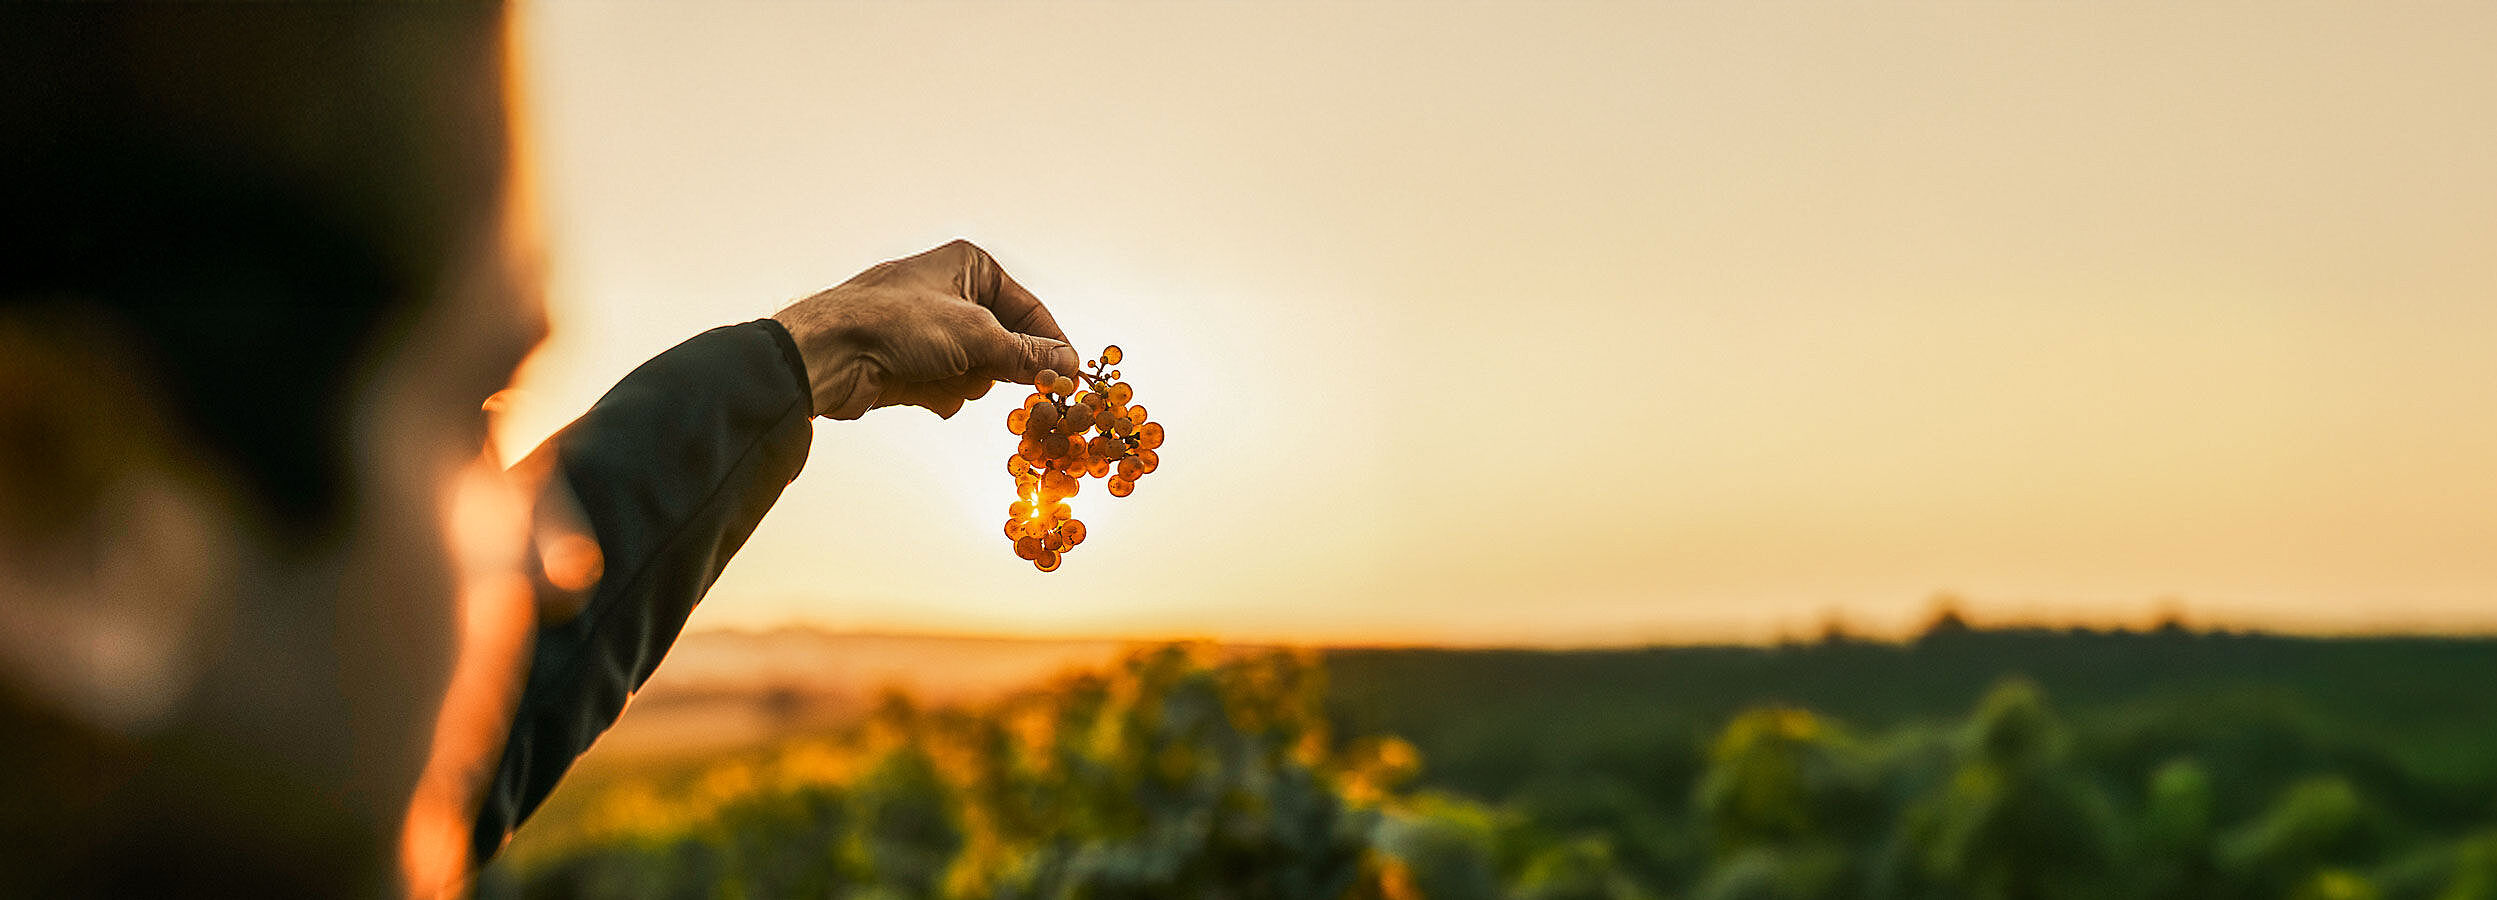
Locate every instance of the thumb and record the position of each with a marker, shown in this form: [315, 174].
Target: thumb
[1015, 356]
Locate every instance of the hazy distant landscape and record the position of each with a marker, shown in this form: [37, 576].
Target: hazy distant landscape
[2165, 762]
[725, 689]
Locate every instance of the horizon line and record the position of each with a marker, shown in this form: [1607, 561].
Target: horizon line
[1826, 635]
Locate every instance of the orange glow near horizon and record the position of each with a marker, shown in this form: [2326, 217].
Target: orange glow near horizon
[1591, 325]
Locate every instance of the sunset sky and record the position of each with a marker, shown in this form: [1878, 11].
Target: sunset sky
[1576, 324]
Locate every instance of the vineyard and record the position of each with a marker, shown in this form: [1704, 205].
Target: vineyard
[1968, 764]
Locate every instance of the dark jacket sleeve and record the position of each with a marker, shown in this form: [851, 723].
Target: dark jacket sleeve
[673, 468]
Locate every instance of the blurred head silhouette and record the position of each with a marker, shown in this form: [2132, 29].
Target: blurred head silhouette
[263, 271]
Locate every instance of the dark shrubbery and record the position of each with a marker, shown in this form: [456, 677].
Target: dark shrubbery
[1189, 772]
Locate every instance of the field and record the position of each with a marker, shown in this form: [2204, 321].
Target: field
[1967, 763]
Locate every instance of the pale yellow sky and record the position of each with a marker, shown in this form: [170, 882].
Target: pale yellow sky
[1592, 323]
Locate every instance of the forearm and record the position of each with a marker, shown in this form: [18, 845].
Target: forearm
[673, 469]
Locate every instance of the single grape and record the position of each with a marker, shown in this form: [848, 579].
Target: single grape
[1044, 379]
[1016, 419]
[1110, 355]
[1061, 484]
[1078, 417]
[1065, 385]
[1136, 416]
[1054, 446]
[1150, 459]
[1120, 393]
[1060, 512]
[1149, 436]
[1131, 467]
[1027, 546]
[1042, 419]
[1055, 540]
[1100, 467]
[1037, 398]
[1047, 561]
[1074, 531]
[1120, 487]
[1019, 508]
[1014, 528]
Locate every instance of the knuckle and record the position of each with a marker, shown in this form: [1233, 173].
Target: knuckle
[975, 272]
[971, 257]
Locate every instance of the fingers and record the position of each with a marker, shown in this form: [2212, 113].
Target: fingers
[957, 349]
[986, 283]
[944, 396]
[1011, 356]
[1019, 311]
[995, 355]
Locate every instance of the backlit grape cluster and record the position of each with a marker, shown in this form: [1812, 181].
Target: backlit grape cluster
[1072, 431]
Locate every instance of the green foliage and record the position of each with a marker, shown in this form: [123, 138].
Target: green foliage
[1780, 873]
[2011, 822]
[1444, 848]
[2316, 825]
[1178, 774]
[1779, 777]
[903, 831]
[1190, 772]
[2336, 884]
[2475, 869]
[2176, 834]
[1579, 869]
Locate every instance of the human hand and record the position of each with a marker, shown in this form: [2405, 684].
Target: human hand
[932, 330]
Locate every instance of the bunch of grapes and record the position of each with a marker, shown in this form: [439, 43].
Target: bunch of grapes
[1072, 431]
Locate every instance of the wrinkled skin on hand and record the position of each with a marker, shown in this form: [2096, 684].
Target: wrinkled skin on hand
[934, 330]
